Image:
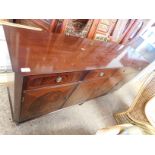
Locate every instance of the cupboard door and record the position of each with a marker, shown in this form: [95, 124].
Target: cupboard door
[83, 92]
[41, 101]
[103, 87]
[94, 88]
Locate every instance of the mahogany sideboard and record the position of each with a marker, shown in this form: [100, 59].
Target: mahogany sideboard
[54, 71]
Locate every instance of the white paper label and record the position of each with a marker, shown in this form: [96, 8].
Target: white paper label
[25, 70]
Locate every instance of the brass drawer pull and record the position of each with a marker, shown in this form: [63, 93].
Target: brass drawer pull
[83, 49]
[58, 79]
[101, 74]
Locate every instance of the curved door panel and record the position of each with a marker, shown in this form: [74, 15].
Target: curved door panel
[41, 101]
[96, 87]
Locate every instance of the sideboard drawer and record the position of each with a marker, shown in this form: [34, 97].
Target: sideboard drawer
[56, 79]
[100, 74]
[53, 79]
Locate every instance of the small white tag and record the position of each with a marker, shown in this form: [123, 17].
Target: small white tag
[25, 70]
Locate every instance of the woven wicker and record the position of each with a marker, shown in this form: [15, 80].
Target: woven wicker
[136, 112]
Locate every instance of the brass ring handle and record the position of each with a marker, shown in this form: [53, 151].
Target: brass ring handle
[58, 79]
[83, 49]
[101, 74]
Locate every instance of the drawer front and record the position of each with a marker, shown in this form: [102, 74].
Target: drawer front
[53, 79]
[57, 79]
[100, 74]
[42, 101]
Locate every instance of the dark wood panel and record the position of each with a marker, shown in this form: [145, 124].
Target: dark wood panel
[101, 88]
[18, 89]
[33, 82]
[84, 92]
[42, 101]
[95, 87]
[47, 53]
[81, 93]
[99, 73]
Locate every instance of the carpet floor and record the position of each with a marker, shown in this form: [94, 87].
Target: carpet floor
[82, 119]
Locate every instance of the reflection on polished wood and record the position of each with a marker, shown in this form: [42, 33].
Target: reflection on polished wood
[54, 71]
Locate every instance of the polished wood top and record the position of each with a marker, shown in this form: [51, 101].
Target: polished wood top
[35, 52]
